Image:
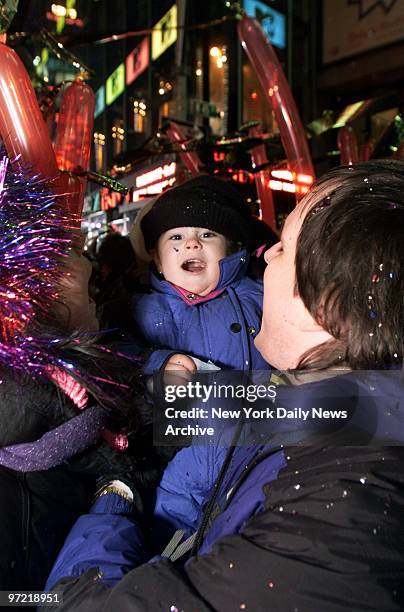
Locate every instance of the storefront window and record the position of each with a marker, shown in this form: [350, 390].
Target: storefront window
[139, 116]
[219, 88]
[99, 151]
[118, 136]
[255, 107]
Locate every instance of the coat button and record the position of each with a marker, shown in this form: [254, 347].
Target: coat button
[235, 327]
[191, 296]
[251, 330]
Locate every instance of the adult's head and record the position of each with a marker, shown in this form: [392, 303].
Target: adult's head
[334, 285]
[115, 255]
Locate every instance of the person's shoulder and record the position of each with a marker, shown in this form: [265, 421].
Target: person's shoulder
[346, 474]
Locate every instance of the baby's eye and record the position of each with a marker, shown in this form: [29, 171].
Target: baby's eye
[209, 235]
[176, 237]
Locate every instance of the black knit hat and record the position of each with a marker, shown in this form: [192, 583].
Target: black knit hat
[204, 201]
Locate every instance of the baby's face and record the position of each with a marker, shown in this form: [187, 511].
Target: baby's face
[189, 258]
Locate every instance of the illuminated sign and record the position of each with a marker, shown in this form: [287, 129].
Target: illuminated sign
[110, 199]
[149, 183]
[271, 21]
[99, 101]
[164, 33]
[154, 181]
[285, 180]
[137, 61]
[155, 175]
[242, 176]
[115, 84]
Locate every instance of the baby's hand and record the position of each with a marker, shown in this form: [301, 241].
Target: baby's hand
[181, 366]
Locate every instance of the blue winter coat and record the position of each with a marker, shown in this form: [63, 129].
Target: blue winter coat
[312, 525]
[221, 329]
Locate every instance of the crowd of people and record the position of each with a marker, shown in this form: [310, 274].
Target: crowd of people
[270, 514]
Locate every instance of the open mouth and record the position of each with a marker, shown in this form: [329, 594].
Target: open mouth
[193, 265]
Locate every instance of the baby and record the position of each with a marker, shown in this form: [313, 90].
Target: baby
[202, 302]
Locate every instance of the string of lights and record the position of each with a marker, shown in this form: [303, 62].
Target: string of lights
[144, 32]
[55, 46]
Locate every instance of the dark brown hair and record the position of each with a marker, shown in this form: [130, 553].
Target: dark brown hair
[350, 265]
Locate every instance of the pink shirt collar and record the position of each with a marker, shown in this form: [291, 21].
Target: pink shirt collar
[192, 298]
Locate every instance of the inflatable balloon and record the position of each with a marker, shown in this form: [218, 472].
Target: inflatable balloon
[366, 150]
[277, 92]
[22, 127]
[190, 158]
[26, 137]
[75, 127]
[348, 146]
[259, 157]
[71, 189]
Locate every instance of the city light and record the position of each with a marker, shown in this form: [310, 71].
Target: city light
[99, 139]
[282, 174]
[157, 174]
[139, 110]
[165, 86]
[61, 11]
[118, 133]
[285, 180]
[219, 55]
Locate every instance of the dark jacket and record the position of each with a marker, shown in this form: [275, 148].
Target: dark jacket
[220, 328]
[316, 525]
[38, 508]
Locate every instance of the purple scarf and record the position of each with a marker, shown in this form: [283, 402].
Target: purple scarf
[56, 445]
